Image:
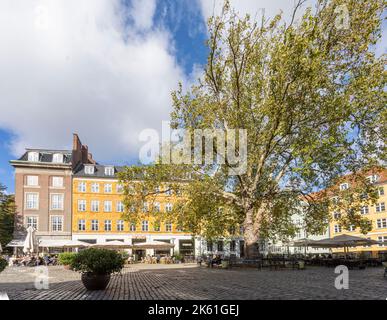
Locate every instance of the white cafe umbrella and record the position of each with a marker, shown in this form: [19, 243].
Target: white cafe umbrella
[30, 241]
[115, 244]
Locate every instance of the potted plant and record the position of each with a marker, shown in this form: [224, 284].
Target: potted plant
[96, 266]
[3, 264]
[66, 258]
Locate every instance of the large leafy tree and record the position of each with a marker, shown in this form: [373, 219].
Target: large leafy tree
[7, 215]
[309, 92]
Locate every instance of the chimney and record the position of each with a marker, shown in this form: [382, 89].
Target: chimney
[76, 142]
[85, 153]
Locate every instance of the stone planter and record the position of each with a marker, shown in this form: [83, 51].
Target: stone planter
[67, 267]
[95, 281]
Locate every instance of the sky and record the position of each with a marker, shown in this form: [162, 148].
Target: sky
[104, 69]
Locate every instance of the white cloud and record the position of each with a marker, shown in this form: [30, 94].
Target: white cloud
[74, 66]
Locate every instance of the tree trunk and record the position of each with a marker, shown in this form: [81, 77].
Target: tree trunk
[251, 232]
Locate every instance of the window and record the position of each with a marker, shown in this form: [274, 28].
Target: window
[32, 221]
[168, 192]
[95, 187]
[94, 225]
[32, 181]
[232, 245]
[56, 201]
[120, 206]
[132, 226]
[335, 200]
[337, 228]
[108, 188]
[381, 206]
[156, 207]
[144, 225]
[120, 225]
[32, 201]
[82, 187]
[119, 188]
[94, 205]
[107, 207]
[145, 207]
[89, 169]
[81, 205]
[33, 156]
[384, 240]
[381, 223]
[108, 225]
[381, 191]
[81, 225]
[344, 186]
[209, 246]
[168, 227]
[351, 228]
[337, 215]
[373, 178]
[220, 245]
[109, 171]
[156, 226]
[168, 207]
[56, 223]
[57, 158]
[364, 210]
[57, 182]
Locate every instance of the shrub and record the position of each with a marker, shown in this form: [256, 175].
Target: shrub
[66, 258]
[3, 264]
[97, 261]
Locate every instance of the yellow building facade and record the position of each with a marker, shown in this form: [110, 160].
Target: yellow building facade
[97, 213]
[376, 213]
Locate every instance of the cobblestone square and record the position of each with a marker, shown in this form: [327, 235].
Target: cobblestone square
[139, 282]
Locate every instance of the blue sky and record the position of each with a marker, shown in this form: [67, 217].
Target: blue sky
[102, 68]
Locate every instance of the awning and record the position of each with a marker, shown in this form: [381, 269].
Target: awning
[115, 244]
[153, 245]
[48, 243]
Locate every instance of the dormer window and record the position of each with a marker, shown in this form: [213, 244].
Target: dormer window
[372, 179]
[57, 158]
[109, 171]
[89, 169]
[344, 186]
[33, 156]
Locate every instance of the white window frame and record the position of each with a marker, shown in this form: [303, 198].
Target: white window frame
[81, 205]
[157, 207]
[57, 158]
[107, 206]
[119, 206]
[89, 169]
[380, 207]
[119, 188]
[107, 223]
[382, 222]
[132, 227]
[337, 228]
[33, 156]
[95, 225]
[380, 191]
[59, 208]
[94, 205]
[144, 225]
[95, 187]
[373, 178]
[364, 210]
[168, 227]
[26, 207]
[120, 225]
[108, 188]
[109, 171]
[168, 207]
[35, 181]
[81, 186]
[382, 239]
[55, 181]
[35, 223]
[52, 223]
[81, 222]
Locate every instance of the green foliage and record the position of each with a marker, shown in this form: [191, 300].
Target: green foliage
[97, 261]
[66, 258]
[3, 264]
[312, 99]
[7, 215]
